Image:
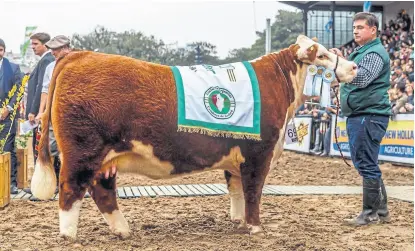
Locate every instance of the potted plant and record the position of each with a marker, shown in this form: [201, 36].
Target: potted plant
[21, 154]
[5, 161]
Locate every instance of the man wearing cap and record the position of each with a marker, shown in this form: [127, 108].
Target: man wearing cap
[10, 75]
[59, 46]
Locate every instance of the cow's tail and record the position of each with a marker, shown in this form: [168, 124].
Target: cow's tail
[43, 183]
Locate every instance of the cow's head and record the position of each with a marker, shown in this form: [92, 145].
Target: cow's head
[310, 52]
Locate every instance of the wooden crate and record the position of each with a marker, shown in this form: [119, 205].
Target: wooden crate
[5, 167]
[22, 172]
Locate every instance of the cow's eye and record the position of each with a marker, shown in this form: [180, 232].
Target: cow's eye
[321, 57]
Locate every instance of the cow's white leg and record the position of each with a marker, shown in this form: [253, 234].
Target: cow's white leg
[68, 220]
[118, 224]
[236, 194]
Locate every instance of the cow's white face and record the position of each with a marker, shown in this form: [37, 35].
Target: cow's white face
[312, 52]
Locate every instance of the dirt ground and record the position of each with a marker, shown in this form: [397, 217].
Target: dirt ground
[203, 223]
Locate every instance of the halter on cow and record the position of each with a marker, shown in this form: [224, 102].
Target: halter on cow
[101, 120]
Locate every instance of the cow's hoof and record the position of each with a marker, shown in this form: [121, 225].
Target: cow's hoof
[68, 237]
[256, 230]
[240, 224]
[121, 234]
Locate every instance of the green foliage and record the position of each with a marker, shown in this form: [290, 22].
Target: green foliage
[21, 140]
[287, 26]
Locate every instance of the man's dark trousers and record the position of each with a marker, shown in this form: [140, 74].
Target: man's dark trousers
[365, 134]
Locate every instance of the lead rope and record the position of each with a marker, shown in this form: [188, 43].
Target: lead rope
[335, 128]
[337, 113]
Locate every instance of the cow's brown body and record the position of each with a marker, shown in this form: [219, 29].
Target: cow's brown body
[112, 110]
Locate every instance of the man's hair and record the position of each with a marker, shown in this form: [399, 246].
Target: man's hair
[41, 36]
[370, 18]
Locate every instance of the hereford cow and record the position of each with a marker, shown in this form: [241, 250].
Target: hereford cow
[111, 111]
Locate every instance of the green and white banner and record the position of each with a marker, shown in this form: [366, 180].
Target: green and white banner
[26, 42]
[220, 101]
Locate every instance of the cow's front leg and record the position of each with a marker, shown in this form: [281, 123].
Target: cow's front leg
[103, 191]
[253, 178]
[236, 195]
[70, 202]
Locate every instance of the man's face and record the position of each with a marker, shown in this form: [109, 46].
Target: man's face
[2, 51]
[38, 47]
[59, 52]
[362, 32]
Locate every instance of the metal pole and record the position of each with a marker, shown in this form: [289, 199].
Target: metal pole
[268, 37]
[305, 20]
[333, 7]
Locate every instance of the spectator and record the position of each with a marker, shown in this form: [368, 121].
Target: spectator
[401, 100]
[304, 110]
[318, 138]
[38, 41]
[10, 75]
[409, 105]
[59, 46]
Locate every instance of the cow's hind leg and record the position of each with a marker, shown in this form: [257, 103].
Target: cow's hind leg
[253, 174]
[71, 193]
[236, 195]
[103, 191]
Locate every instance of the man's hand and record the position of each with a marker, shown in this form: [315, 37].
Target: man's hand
[39, 117]
[31, 118]
[4, 113]
[337, 52]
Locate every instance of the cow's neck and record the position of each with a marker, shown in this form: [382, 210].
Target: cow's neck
[288, 72]
[282, 69]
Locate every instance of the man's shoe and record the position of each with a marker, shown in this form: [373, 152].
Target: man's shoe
[324, 154]
[365, 218]
[383, 211]
[14, 189]
[33, 198]
[372, 200]
[27, 190]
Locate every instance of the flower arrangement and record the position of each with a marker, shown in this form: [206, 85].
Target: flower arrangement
[5, 103]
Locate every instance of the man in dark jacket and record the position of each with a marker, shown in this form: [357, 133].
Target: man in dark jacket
[34, 88]
[10, 75]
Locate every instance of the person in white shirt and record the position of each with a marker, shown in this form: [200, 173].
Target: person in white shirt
[59, 46]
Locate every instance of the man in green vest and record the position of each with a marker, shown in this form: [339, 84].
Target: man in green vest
[366, 104]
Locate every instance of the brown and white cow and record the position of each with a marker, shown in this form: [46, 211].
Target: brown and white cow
[102, 118]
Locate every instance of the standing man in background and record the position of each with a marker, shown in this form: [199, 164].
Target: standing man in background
[10, 75]
[34, 88]
[59, 46]
[366, 103]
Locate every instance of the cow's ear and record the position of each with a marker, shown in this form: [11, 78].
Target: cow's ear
[312, 52]
[315, 39]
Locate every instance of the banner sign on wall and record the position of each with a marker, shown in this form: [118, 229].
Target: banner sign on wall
[397, 144]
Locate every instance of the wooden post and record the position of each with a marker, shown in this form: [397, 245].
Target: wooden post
[22, 174]
[5, 167]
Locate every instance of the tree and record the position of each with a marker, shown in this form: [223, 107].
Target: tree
[285, 29]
